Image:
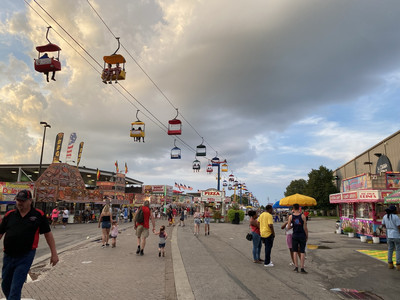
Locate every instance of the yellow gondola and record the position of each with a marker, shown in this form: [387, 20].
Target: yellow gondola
[138, 130]
[112, 67]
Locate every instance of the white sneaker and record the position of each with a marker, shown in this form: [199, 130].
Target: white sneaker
[269, 265]
[291, 264]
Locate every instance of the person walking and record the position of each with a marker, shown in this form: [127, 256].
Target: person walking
[161, 243]
[54, 216]
[105, 220]
[197, 221]
[298, 222]
[182, 218]
[22, 227]
[114, 234]
[267, 232]
[255, 232]
[142, 228]
[392, 223]
[65, 216]
[206, 216]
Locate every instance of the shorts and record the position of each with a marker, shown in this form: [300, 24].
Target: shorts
[113, 236]
[64, 220]
[206, 220]
[197, 221]
[142, 232]
[299, 244]
[289, 241]
[106, 224]
[161, 245]
[55, 219]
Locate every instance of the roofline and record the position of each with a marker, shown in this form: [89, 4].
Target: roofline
[80, 168]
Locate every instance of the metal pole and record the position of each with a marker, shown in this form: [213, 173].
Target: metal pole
[44, 137]
[218, 180]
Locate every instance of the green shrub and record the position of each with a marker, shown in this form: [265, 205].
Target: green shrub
[231, 214]
[348, 229]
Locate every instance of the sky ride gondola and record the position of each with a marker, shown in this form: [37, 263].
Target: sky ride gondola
[224, 167]
[231, 177]
[196, 165]
[44, 63]
[138, 129]
[225, 183]
[201, 149]
[215, 161]
[175, 125]
[209, 168]
[175, 152]
[112, 69]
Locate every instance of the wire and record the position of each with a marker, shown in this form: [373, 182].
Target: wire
[147, 75]
[162, 126]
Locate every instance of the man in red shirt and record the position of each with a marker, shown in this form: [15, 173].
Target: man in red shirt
[142, 229]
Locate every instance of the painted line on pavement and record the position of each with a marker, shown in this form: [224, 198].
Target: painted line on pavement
[182, 285]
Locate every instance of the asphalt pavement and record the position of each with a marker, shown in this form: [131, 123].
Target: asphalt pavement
[216, 266]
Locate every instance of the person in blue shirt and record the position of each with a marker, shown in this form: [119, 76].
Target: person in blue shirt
[392, 223]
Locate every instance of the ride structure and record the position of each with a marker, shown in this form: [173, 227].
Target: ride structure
[138, 129]
[44, 63]
[112, 69]
[175, 125]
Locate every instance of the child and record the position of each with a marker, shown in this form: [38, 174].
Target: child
[114, 234]
[161, 244]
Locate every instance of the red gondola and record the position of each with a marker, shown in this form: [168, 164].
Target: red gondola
[175, 126]
[44, 63]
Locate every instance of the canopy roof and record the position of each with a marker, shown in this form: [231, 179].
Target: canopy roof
[48, 48]
[114, 59]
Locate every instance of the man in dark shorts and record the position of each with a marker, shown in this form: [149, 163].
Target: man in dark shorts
[22, 227]
[298, 222]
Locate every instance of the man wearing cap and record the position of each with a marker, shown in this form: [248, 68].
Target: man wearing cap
[21, 227]
[392, 223]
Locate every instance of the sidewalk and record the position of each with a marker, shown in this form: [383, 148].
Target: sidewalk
[87, 271]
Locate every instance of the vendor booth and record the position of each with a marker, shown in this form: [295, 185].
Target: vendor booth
[363, 202]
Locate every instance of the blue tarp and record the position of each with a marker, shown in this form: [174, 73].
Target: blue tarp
[276, 205]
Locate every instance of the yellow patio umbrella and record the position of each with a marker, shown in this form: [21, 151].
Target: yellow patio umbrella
[301, 200]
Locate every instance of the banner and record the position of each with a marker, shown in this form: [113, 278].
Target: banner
[79, 153]
[116, 166]
[71, 143]
[57, 147]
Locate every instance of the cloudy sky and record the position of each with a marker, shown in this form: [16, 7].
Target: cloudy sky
[277, 87]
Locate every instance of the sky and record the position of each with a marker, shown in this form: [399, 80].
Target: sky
[277, 88]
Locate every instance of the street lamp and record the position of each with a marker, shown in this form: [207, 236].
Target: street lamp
[45, 125]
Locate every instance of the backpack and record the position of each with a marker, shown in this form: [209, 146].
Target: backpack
[139, 217]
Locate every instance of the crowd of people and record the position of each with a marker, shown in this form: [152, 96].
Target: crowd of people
[262, 230]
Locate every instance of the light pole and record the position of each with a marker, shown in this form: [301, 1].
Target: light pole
[45, 125]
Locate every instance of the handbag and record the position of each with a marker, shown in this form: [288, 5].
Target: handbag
[249, 236]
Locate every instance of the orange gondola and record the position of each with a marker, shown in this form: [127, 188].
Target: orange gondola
[112, 69]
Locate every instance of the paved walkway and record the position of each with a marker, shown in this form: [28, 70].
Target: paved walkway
[216, 266]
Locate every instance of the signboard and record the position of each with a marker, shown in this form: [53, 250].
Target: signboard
[355, 183]
[393, 180]
[359, 196]
[383, 165]
[212, 196]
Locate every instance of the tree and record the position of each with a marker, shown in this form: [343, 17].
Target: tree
[296, 187]
[320, 185]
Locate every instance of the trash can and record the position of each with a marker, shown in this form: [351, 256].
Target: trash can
[236, 219]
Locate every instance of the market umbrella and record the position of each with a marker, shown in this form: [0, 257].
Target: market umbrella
[301, 200]
[276, 205]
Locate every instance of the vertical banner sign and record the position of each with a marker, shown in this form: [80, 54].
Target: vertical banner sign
[57, 147]
[79, 153]
[71, 143]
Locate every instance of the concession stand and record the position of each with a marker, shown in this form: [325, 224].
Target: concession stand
[362, 202]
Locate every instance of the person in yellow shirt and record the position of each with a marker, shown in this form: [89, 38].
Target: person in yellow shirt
[267, 233]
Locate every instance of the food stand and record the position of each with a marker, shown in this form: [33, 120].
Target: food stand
[362, 202]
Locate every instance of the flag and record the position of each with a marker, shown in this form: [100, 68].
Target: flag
[190, 188]
[126, 168]
[57, 147]
[184, 187]
[79, 153]
[71, 143]
[98, 174]
[176, 185]
[116, 166]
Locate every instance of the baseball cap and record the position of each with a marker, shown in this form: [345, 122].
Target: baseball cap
[23, 195]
